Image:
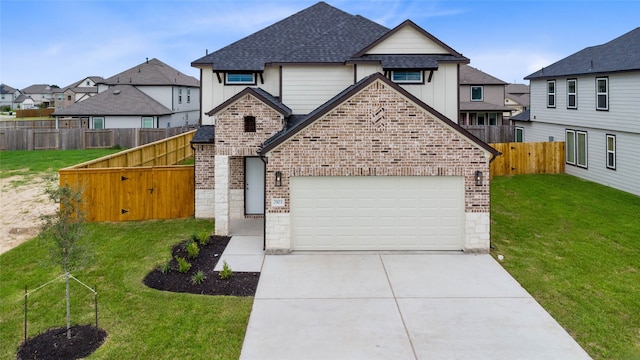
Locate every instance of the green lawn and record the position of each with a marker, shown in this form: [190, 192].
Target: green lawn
[575, 246]
[141, 322]
[35, 162]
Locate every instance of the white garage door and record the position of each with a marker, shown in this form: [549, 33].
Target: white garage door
[377, 213]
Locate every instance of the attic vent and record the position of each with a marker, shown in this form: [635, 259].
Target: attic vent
[116, 91]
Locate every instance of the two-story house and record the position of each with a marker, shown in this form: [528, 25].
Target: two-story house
[591, 100]
[42, 94]
[8, 96]
[343, 135]
[76, 92]
[482, 98]
[148, 95]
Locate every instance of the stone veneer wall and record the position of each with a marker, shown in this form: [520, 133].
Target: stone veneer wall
[378, 132]
[204, 181]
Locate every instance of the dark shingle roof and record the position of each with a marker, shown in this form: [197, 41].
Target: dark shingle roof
[260, 94]
[204, 135]
[320, 33]
[152, 72]
[472, 76]
[39, 89]
[117, 100]
[297, 123]
[620, 54]
[6, 89]
[523, 116]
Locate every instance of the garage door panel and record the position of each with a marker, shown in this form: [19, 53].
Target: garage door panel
[377, 213]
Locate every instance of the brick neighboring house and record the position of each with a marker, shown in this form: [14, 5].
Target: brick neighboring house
[381, 164]
[40, 94]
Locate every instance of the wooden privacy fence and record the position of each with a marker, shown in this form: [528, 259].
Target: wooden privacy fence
[138, 184]
[528, 158]
[492, 133]
[80, 138]
[45, 124]
[34, 112]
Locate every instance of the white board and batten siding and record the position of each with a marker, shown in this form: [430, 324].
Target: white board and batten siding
[407, 40]
[377, 213]
[327, 81]
[621, 120]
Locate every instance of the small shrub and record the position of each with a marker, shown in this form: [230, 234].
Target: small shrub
[198, 277]
[203, 238]
[165, 267]
[226, 272]
[183, 264]
[193, 250]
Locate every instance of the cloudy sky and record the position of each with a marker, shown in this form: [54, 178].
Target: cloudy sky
[60, 42]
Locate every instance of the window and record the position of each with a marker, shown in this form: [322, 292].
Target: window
[602, 94]
[570, 147]
[60, 97]
[572, 97]
[147, 122]
[480, 118]
[240, 78]
[188, 96]
[493, 118]
[476, 93]
[519, 134]
[611, 152]
[581, 149]
[551, 93]
[179, 96]
[249, 124]
[407, 77]
[98, 123]
[69, 97]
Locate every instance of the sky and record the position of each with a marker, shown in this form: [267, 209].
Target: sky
[61, 42]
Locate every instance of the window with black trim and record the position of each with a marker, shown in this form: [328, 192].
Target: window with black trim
[572, 94]
[179, 96]
[477, 93]
[611, 152]
[249, 124]
[407, 77]
[519, 134]
[570, 147]
[240, 78]
[551, 93]
[602, 93]
[188, 96]
[581, 149]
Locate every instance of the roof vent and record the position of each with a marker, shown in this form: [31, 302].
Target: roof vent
[116, 91]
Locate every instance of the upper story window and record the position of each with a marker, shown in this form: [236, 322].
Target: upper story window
[88, 83]
[180, 96]
[188, 96]
[572, 94]
[602, 93]
[60, 97]
[249, 124]
[551, 93]
[407, 77]
[477, 93]
[240, 78]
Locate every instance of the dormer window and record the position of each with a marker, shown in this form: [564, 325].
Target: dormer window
[249, 124]
[407, 77]
[240, 79]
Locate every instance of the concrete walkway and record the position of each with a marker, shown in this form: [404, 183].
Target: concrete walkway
[393, 306]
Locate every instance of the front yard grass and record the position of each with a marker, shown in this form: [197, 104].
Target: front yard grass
[575, 246]
[142, 323]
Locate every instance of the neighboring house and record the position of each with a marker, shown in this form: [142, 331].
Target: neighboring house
[482, 98]
[25, 102]
[517, 98]
[591, 100]
[343, 135]
[8, 96]
[76, 92]
[149, 95]
[41, 94]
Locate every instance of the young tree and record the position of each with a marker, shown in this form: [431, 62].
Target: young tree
[63, 232]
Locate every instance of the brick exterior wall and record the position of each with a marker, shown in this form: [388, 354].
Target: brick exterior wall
[204, 166]
[236, 165]
[379, 133]
[230, 136]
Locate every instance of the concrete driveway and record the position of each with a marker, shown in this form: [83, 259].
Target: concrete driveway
[398, 306]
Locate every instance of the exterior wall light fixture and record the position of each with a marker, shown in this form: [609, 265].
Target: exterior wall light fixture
[478, 178]
[278, 178]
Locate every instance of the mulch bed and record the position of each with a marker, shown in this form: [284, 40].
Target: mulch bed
[53, 343]
[239, 284]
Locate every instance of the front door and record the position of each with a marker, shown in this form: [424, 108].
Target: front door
[253, 186]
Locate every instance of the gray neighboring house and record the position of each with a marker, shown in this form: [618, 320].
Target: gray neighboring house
[76, 92]
[517, 98]
[41, 94]
[591, 100]
[482, 98]
[148, 95]
[8, 96]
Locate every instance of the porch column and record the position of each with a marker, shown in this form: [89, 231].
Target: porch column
[222, 194]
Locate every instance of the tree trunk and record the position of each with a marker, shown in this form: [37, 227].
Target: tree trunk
[68, 307]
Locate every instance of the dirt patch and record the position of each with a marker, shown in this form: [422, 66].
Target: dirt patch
[22, 206]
